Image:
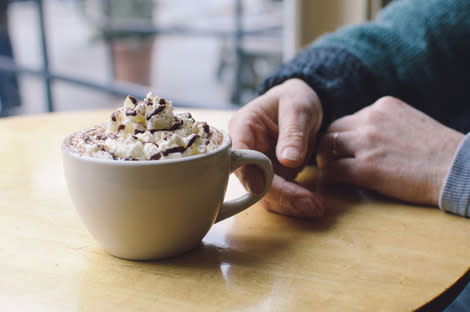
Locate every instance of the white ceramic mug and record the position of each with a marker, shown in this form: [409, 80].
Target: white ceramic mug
[155, 209]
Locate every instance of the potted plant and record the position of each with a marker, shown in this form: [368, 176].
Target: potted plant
[131, 51]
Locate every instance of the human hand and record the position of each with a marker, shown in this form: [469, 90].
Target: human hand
[283, 123]
[391, 148]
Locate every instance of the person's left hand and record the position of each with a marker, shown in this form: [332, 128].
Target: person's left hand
[391, 148]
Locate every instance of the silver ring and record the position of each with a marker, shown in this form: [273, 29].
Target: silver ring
[334, 144]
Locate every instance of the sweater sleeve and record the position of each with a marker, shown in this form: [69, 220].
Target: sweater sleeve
[416, 50]
[455, 193]
[338, 77]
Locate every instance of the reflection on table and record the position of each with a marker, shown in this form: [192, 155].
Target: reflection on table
[369, 253]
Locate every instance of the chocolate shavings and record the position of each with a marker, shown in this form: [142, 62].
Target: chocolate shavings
[176, 149]
[133, 99]
[155, 111]
[178, 123]
[191, 140]
[205, 126]
[156, 156]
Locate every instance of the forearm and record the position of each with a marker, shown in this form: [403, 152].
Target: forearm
[416, 51]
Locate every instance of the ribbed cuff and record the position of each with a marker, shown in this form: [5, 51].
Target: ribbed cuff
[455, 193]
[343, 84]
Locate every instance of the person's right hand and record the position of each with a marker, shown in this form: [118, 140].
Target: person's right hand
[283, 123]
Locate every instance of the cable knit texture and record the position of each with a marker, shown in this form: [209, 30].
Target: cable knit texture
[416, 50]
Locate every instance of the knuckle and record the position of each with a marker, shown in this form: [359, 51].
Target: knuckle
[370, 136]
[274, 92]
[374, 115]
[301, 105]
[388, 103]
[240, 118]
[379, 114]
[292, 133]
[366, 162]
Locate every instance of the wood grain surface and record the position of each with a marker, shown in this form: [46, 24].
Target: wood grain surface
[369, 253]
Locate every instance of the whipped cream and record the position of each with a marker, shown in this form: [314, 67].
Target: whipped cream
[149, 130]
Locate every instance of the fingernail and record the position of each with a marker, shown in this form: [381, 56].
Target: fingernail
[306, 206]
[290, 153]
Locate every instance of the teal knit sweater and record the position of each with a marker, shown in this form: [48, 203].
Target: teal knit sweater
[416, 50]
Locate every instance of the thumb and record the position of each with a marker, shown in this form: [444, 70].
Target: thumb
[298, 121]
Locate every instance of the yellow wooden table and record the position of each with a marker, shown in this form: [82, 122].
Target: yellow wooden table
[369, 253]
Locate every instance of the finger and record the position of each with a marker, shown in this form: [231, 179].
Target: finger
[335, 145]
[296, 124]
[243, 137]
[252, 178]
[243, 129]
[342, 124]
[253, 127]
[287, 173]
[291, 199]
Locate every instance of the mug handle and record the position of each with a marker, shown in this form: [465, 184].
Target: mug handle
[240, 158]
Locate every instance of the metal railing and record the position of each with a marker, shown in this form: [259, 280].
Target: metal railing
[123, 88]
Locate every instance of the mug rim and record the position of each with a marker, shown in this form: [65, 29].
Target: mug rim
[226, 143]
